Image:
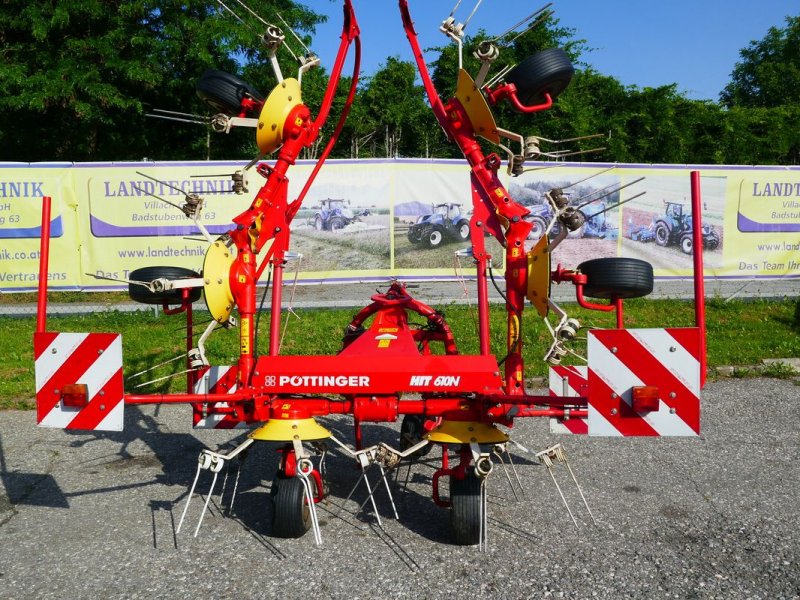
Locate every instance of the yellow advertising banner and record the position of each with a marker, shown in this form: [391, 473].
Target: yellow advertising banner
[374, 219]
[21, 190]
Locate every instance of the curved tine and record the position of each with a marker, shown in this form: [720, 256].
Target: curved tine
[156, 196]
[607, 193]
[161, 182]
[522, 22]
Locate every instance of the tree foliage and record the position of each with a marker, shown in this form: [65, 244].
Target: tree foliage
[79, 76]
[769, 73]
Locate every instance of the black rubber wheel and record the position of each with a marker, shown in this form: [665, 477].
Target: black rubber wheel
[546, 72]
[224, 92]
[687, 243]
[291, 517]
[319, 225]
[463, 230]
[711, 241]
[139, 293]
[411, 431]
[617, 277]
[465, 511]
[337, 223]
[434, 237]
[662, 234]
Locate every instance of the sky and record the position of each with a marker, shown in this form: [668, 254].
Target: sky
[694, 43]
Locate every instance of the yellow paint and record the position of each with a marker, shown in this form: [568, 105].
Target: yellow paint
[478, 111]
[539, 276]
[244, 335]
[286, 430]
[216, 280]
[384, 343]
[280, 102]
[466, 432]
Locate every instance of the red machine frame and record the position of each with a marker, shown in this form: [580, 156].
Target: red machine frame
[379, 365]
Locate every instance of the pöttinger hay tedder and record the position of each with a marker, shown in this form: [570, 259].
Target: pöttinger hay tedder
[635, 382]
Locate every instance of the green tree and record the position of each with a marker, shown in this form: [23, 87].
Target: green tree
[769, 73]
[78, 76]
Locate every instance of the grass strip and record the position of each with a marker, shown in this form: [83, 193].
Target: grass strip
[739, 333]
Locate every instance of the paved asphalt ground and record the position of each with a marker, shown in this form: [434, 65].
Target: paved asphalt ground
[94, 516]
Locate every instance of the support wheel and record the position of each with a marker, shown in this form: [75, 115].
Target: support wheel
[617, 277]
[546, 72]
[291, 517]
[140, 293]
[225, 92]
[465, 512]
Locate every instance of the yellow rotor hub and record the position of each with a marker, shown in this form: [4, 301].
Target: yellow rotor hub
[478, 111]
[280, 102]
[466, 432]
[216, 280]
[539, 276]
[286, 430]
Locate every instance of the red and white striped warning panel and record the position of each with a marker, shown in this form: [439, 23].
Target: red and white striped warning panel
[569, 381]
[644, 382]
[216, 415]
[79, 380]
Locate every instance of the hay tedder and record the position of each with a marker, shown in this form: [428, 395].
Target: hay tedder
[635, 382]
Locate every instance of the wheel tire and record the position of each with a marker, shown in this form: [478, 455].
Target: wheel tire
[539, 226]
[463, 230]
[712, 241]
[617, 277]
[224, 92]
[412, 428]
[465, 510]
[686, 244]
[662, 234]
[337, 223]
[291, 517]
[318, 223]
[546, 72]
[413, 236]
[434, 237]
[139, 293]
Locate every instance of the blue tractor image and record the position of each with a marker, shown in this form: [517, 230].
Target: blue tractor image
[444, 223]
[334, 214]
[674, 227]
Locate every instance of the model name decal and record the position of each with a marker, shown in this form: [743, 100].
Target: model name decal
[439, 380]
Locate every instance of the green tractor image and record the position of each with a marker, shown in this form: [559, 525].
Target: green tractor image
[675, 228]
[445, 222]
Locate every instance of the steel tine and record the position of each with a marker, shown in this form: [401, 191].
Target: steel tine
[371, 498]
[312, 508]
[484, 523]
[166, 362]
[617, 204]
[469, 18]
[580, 491]
[352, 491]
[606, 192]
[189, 499]
[564, 500]
[389, 491]
[522, 22]
[516, 475]
[539, 20]
[205, 506]
[508, 477]
[566, 187]
[156, 196]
